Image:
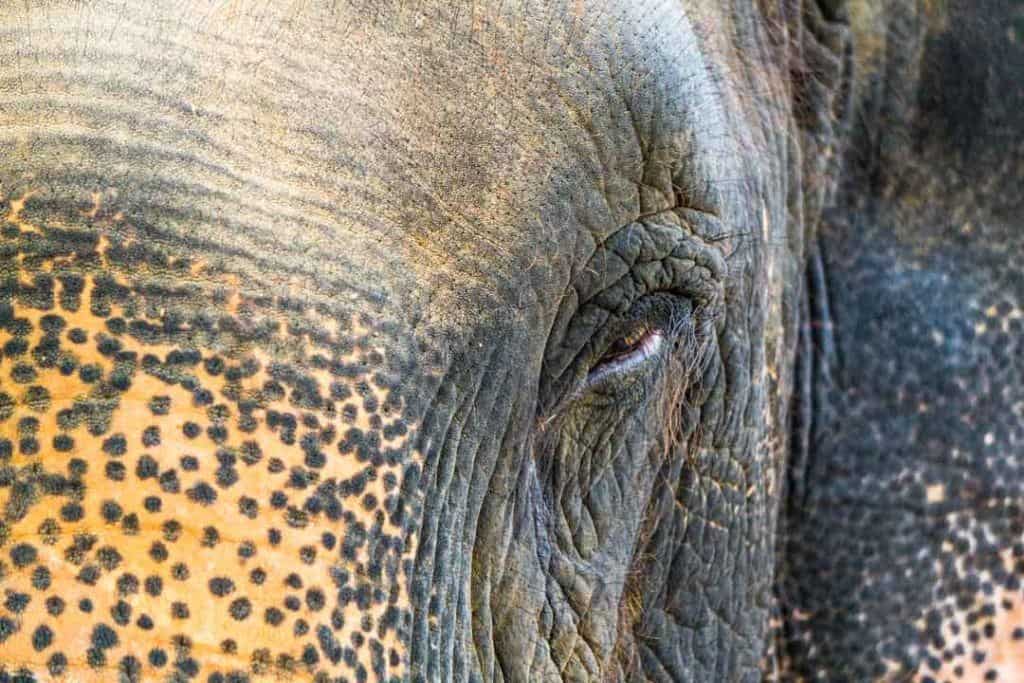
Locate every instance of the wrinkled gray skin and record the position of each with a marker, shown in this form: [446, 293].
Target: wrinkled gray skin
[502, 194]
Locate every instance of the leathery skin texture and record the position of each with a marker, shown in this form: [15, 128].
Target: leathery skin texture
[535, 340]
[905, 547]
[337, 349]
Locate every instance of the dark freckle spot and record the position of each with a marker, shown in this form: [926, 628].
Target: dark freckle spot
[293, 581]
[121, 613]
[57, 664]
[180, 571]
[246, 549]
[301, 628]
[67, 365]
[160, 405]
[23, 554]
[7, 628]
[54, 606]
[257, 576]
[71, 512]
[189, 463]
[77, 335]
[240, 609]
[28, 426]
[328, 540]
[103, 637]
[991, 675]
[226, 476]
[202, 493]
[49, 531]
[17, 602]
[228, 646]
[278, 500]
[179, 610]
[15, 347]
[28, 446]
[221, 586]
[108, 557]
[146, 467]
[63, 443]
[77, 467]
[274, 536]
[115, 445]
[127, 584]
[111, 511]
[151, 436]
[202, 397]
[129, 669]
[115, 471]
[116, 325]
[292, 603]
[214, 365]
[217, 433]
[23, 373]
[211, 537]
[90, 373]
[273, 616]
[315, 599]
[157, 657]
[42, 638]
[89, 575]
[41, 578]
[169, 481]
[191, 430]
[152, 504]
[158, 551]
[250, 452]
[154, 585]
[248, 507]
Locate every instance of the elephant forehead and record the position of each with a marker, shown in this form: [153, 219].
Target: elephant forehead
[179, 499]
[463, 147]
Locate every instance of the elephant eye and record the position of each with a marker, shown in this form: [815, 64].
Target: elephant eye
[627, 353]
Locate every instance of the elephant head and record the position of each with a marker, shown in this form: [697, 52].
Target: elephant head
[408, 341]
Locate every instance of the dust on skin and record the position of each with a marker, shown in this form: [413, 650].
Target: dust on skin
[157, 516]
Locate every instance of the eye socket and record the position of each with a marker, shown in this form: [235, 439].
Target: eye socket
[627, 353]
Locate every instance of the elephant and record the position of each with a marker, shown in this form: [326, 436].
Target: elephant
[531, 340]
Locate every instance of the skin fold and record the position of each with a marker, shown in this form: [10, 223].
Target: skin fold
[349, 341]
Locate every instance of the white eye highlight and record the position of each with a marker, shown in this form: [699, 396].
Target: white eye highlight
[627, 355]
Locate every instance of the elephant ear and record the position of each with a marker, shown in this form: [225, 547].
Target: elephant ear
[821, 70]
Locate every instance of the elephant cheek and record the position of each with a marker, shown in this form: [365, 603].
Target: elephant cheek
[202, 499]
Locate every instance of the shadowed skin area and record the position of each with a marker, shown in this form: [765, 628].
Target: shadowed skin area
[299, 305]
[906, 539]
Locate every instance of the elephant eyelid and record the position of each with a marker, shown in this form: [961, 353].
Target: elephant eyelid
[627, 355]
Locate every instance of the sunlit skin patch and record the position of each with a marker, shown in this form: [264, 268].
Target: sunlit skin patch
[984, 641]
[193, 510]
